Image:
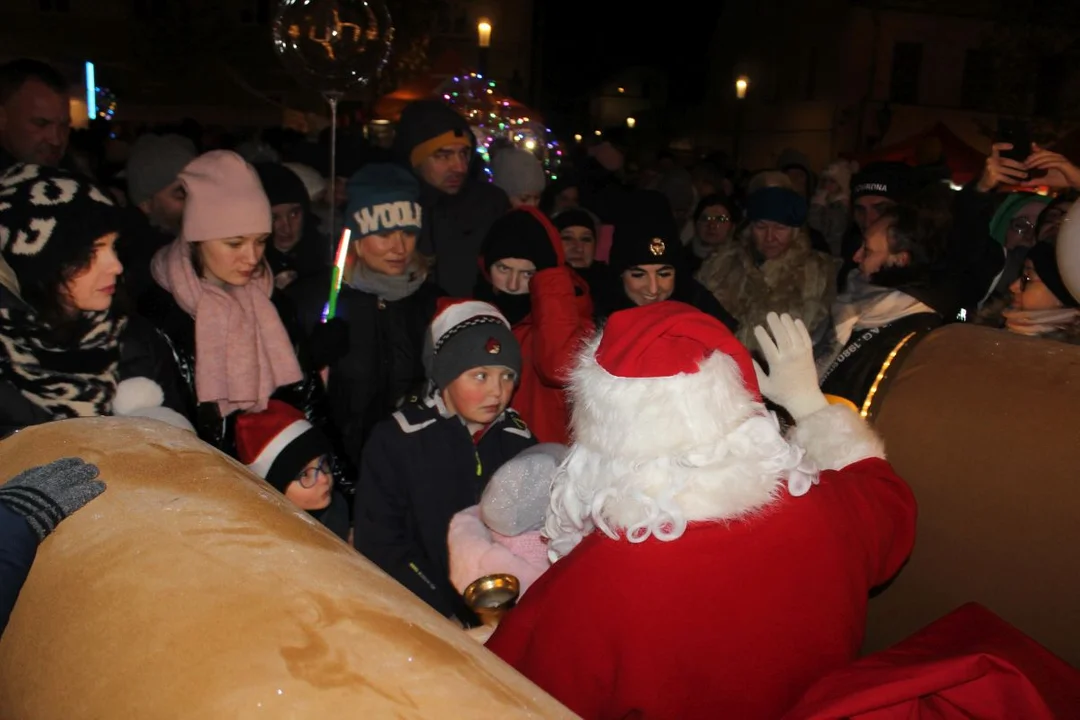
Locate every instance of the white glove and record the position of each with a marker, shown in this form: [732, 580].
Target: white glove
[792, 380]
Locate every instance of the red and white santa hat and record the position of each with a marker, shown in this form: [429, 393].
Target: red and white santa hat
[465, 334]
[662, 379]
[278, 443]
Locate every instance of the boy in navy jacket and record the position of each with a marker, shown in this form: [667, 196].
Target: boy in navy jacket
[434, 456]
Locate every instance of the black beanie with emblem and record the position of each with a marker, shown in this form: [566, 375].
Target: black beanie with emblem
[646, 234]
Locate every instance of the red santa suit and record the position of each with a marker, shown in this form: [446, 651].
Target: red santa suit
[709, 569]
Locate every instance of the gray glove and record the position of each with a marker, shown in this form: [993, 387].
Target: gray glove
[47, 494]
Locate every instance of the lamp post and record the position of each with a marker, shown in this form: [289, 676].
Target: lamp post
[483, 42]
[742, 84]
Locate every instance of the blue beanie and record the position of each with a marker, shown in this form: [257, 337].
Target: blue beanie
[777, 204]
[382, 198]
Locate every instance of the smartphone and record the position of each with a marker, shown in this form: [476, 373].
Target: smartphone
[1017, 134]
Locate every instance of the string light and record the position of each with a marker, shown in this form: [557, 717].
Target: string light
[106, 103]
[495, 120]
[881, 375]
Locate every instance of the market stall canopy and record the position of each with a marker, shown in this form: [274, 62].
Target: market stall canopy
[964, 162]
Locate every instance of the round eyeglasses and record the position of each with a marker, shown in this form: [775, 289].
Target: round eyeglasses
[310, 476]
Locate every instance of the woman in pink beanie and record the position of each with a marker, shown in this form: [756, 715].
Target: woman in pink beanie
[212, 301]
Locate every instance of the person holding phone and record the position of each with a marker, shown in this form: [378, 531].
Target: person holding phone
[1039, 167]
[1014, 222]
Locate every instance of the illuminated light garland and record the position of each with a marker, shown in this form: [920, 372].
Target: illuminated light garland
[106, 103]
[494, 118]
[881, 375]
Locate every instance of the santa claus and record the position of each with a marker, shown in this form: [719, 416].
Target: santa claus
[706, 566]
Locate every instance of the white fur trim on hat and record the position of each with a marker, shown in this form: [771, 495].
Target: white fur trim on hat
[457, 313]
[835, 437]
[265, 460]
[653, 454]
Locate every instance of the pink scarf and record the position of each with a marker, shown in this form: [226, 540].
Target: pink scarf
[242, 352]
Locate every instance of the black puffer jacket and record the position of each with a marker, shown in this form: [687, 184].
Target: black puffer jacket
[308, 395]
[384, 363]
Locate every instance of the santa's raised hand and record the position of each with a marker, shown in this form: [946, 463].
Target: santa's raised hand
[792, 378]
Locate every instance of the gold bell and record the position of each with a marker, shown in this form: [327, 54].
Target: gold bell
[491, 596]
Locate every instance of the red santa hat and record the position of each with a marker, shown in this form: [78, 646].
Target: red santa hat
[669, 428]
[666, 339]
[465, 334]
[661, 379]
[277, 443]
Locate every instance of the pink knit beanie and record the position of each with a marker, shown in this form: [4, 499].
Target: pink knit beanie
[225, 198]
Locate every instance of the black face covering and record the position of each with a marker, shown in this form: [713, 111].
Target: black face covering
[896, 276]
[514, 308]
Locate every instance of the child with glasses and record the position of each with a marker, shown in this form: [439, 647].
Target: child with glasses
[283, 448]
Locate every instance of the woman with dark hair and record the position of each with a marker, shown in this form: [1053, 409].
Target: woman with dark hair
[65, 345]
[648, 264]
[212, 300]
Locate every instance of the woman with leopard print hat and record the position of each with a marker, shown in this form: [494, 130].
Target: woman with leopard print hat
[65, 346]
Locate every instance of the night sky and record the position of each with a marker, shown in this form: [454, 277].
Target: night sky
[586, 41]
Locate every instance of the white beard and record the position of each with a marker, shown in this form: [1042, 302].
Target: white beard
[654, 454]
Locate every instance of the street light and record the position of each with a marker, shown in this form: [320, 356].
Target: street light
[483, 41]
[483, 32]
[741, 86]
[631, 122]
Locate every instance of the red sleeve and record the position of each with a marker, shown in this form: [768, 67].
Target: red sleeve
[882, 511]
[562, 320]
[568, 660]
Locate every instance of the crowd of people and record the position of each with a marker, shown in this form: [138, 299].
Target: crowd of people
[602, 384]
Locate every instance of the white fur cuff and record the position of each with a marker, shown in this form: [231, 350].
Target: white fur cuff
[835, 437]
